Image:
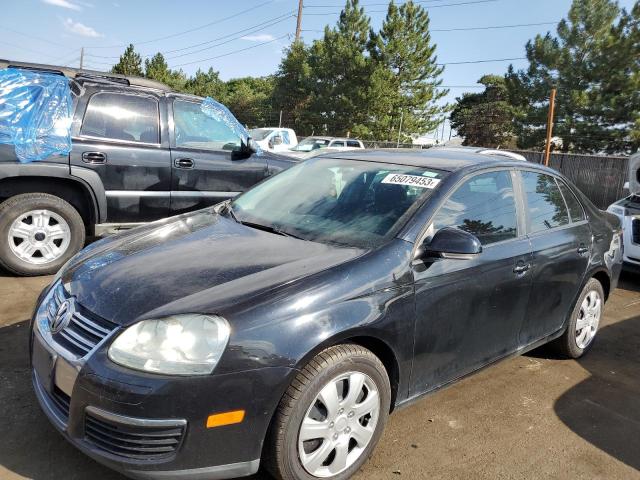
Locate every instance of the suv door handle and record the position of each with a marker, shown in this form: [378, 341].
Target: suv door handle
[96, 158]
[582, 249]
[184, 163]
[520, 269]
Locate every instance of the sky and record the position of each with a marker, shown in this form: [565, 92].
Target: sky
[247, 37]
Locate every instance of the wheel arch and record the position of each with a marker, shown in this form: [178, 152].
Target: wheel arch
[83, 189]
[604, 278]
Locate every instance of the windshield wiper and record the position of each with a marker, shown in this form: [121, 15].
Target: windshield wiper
[270, 229]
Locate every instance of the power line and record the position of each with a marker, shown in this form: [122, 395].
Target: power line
[191, 30]
[231, 53]
[462, 29]
[35, 37]
[430, 7]
[467, 62]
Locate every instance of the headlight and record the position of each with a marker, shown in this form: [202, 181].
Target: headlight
[178, 345]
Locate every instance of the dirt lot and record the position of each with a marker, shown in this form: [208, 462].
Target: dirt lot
[530, 417]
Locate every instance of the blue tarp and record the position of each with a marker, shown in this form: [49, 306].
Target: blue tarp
[35, 113]
[219, 112]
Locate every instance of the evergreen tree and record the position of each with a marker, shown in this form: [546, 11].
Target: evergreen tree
[249, 99]
[340, 73]
[404, 48]
[157, 68]
[291, 93]
[486, 119]
[206, 84]
[130, 63]
[593, 64]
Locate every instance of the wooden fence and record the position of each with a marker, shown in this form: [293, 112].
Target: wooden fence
[601, 178]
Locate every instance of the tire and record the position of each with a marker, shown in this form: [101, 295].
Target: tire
[49, 229]
[586, 314]
[343, 366]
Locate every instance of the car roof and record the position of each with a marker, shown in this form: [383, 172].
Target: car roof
[88, 75]
[439, 158]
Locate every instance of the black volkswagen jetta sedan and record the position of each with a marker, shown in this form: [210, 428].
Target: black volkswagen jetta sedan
[282, 327]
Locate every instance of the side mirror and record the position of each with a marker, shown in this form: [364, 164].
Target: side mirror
[277, 140]
[451, 242]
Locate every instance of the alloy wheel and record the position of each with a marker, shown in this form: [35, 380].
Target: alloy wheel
[339, 424]
[39, 236]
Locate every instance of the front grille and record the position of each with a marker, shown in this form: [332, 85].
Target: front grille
[140, 442]
[61, 401]
[83, 332]
[635, 230]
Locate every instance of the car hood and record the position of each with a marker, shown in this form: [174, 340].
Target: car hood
[203, 254]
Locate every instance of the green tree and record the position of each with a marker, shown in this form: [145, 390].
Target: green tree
[291, 93]
[206, 84]
[410, 84]
[250, 100]
[157, 68]
[593, 63]
[486, 119]
[340, 73]
[130, 63]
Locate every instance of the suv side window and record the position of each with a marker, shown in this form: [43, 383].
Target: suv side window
[285, 137]
[484, 206]
[337, 144]
[121, 116]
[544, 202]
[353, 143]
[576, 212]
[194, 129]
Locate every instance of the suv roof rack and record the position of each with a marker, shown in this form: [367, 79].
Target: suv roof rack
[87, 75]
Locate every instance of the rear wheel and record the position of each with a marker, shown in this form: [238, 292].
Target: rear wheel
[38, 233]
[331, 417]
[584, 321]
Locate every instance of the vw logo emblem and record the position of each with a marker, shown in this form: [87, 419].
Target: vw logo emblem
[63, 316]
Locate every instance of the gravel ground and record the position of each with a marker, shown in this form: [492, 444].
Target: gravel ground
[530, 417]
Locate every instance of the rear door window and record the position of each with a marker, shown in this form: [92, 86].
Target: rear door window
[337, 144]
[120, 116]
[576, 212]
[545, 204]
[483, 206]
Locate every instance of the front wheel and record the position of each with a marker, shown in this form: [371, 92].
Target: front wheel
[584, 322]
[331, 417]
[38, 233]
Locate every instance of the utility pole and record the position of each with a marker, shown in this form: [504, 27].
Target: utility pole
[552, 108]
[81, 57]
[299, 21]
[400, 128]
[280, 121]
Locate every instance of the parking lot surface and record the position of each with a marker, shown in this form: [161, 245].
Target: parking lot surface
[535, 416]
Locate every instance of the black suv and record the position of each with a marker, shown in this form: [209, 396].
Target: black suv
[140, 152]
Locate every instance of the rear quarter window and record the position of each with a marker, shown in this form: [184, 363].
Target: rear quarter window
[544, 202]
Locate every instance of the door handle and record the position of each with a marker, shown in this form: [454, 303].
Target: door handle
[184, 163]
[582, 249]
[520, 269]
[96, 158]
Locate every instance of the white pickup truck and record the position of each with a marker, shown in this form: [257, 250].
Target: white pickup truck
[274, 139]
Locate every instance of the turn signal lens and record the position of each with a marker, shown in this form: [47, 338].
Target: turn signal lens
[222, 419]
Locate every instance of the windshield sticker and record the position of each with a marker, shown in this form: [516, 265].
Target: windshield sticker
[411, 180]
[430, 174]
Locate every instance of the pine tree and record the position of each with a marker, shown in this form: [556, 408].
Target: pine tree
[340, 73]
[157, 68]
[404, 48]
[486, 119]
[291, 93]
[130, 63]
[206, 84]
[591, 62]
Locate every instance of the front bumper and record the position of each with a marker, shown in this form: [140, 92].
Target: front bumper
[152, 426]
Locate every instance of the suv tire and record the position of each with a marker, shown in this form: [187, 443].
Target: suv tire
[49, 229]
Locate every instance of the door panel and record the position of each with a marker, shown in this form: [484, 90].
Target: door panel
[561, 245]
[469, 312]
[120, 140]
[204, 172]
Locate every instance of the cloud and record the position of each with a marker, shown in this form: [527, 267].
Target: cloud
[63, 4]
[263, 37]
[80, 29]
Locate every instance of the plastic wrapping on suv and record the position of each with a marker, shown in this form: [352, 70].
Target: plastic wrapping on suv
[36, 110]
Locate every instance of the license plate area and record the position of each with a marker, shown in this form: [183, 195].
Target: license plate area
[65, 376]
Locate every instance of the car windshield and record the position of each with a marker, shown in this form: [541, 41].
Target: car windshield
[346, 202]
[311, 143]
[260, 133]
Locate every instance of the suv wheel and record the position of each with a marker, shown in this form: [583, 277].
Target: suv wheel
[331, 417]
[38, 233]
